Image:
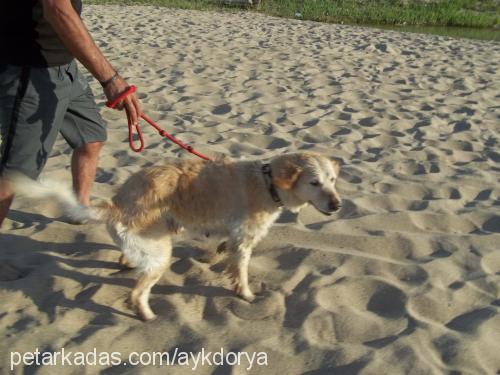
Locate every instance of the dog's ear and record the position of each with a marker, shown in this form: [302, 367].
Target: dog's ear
[285, 176]
[336, 166]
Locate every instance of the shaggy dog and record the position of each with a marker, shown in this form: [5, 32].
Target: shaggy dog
[239, 200]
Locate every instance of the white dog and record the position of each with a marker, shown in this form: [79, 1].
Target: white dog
[240, 200]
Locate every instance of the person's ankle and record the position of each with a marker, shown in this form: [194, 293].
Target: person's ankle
[83, 199]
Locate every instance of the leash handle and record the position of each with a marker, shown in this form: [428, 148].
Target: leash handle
[131, 137]
[130, 90]
[113, 103]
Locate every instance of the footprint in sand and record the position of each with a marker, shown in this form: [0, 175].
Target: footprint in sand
[492, 224]
[222, 109]
[355, 308]
[381, 298]
[490, 263]
[266, 304]
[472, 320]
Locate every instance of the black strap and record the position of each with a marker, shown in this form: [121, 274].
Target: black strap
[268, 175]
[108, 81]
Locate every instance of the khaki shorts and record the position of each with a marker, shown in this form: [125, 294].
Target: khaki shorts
[35, 105]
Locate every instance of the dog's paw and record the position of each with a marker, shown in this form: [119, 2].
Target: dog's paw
[145, 313]
[124, 262]
[244, 293]
[147, 316]
[249, 297]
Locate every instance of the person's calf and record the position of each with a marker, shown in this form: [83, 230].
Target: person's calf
[6, 198]
[83, 169]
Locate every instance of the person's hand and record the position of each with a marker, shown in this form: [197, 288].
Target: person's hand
[130, 102]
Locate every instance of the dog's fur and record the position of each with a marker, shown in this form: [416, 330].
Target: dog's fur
[229, 198]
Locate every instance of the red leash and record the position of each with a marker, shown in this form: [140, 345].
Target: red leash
[113, 103]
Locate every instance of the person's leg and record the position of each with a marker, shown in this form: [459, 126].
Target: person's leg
[9, 92]
[83, 169]
[6, 197]
[84, 130]
[32, 105]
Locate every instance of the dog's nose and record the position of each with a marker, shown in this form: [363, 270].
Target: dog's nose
[334, 206]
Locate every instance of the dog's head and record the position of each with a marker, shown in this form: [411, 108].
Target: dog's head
[307, 178]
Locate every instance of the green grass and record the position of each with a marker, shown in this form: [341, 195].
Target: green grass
[460, 13]
[392, 12]
[180, 4]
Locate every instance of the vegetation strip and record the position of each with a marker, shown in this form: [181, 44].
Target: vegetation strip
[457, 13]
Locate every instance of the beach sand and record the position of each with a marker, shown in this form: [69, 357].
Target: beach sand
[403, 280]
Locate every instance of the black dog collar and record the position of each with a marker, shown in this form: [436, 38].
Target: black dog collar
[268, 176]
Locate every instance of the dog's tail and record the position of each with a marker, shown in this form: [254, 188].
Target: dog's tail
[63, 196]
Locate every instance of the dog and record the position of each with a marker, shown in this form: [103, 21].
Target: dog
[239, 200]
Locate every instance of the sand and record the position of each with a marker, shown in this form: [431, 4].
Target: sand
[405, 279]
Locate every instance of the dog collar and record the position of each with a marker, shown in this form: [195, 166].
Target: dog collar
[268, 176]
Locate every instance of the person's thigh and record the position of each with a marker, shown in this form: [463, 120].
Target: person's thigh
[82, 123]
[33, 102]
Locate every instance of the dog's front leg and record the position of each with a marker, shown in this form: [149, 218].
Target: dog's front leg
[239, 258]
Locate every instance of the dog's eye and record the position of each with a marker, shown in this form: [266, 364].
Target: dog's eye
[315, 183]
[332, 179]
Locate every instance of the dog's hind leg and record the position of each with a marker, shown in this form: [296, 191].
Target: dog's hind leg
[152, 265]
[150, 252]
[118, 234]
[139, 297]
